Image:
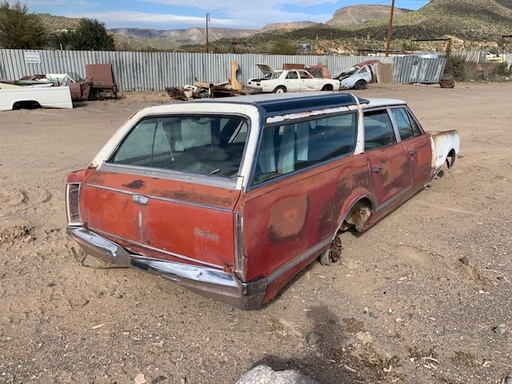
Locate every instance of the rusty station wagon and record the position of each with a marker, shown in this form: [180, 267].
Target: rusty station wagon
[232, 197]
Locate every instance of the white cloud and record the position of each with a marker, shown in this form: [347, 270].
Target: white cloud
[156, 20]
[254, 12]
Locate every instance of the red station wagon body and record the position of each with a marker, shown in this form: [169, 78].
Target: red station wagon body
[233, 197]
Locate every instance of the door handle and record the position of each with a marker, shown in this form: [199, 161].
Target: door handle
[413, 152]
[377, 169]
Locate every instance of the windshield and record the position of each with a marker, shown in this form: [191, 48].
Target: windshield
[206, 144]
[274, 75]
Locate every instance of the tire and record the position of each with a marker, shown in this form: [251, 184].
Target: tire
[279, 89]
[360, 85]
[332, 254]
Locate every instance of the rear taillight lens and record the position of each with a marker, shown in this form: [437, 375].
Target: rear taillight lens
[73, 204]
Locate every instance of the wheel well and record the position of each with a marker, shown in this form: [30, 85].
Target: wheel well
[450, 159]
[327, 87]
[28, 104]
[358, 214]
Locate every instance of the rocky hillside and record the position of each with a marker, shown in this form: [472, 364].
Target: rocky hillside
[288, 26]
[184, 36]
[476, 20]
[358, 14]
[174, 38]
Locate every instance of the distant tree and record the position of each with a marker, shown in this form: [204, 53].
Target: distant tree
[19, 29]
[284, 47]
[61, 39]
[89, 35]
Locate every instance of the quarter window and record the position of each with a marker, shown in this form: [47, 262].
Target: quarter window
[291, 147]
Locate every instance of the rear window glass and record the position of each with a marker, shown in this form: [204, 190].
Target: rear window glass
[207, 145]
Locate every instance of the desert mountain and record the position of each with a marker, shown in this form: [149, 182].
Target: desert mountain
[293, 25]
[358, 14]
[192, 35]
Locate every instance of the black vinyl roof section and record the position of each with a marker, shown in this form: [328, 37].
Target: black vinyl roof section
[274, 105]
[303, 104]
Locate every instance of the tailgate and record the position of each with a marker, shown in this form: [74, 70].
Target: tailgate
[162, 218]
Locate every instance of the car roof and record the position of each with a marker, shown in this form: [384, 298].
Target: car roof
[276, 104]
[382, 102]
[305, 100]
[273, 104]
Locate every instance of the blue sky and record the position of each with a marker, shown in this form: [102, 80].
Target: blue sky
[171, 14]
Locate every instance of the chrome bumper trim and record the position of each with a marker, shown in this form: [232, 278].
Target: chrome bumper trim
[207, 282]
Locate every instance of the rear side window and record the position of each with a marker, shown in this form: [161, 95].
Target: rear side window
[193, 144]
[378, 130]
[295, 146]
[407, 126]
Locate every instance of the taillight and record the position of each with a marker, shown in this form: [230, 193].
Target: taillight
[73, 203]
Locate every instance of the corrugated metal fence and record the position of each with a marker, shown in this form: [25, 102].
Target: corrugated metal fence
[154, 71]
[414, 69]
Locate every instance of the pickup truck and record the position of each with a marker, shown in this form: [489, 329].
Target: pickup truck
[231, 198]
[44, 95]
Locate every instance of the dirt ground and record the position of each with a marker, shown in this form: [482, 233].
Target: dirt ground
[423, 297]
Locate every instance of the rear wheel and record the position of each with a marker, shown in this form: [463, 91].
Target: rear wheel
[360, 85]
[279, 89]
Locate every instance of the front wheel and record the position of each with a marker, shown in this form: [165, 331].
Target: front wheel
[279, 89]
[333, 253]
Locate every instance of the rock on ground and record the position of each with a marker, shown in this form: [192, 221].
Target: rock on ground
[263, 374]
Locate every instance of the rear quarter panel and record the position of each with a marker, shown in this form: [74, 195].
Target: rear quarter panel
[287, 219]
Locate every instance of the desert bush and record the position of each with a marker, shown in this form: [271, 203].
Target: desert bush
[456, 66]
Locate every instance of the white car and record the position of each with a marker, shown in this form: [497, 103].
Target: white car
[291, 80]
[356, 77]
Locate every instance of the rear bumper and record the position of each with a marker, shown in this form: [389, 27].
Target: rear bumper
[207, 282]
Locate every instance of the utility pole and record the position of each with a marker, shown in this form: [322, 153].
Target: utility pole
[207, 21]
[390, 27]
[503, 37]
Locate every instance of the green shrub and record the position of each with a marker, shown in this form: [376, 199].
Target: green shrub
[502, 69]
[456, 66]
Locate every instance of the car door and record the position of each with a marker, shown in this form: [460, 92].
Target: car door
[387, 158]
[416, 143]
[308, 82]
[292, 81]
